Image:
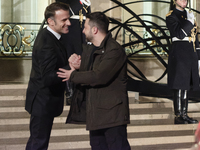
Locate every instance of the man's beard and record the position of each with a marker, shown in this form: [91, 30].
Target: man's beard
[88, 39]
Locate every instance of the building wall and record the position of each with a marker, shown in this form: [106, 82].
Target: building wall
[198, 17]
[33, 10]
[23, 10]
[18, 70]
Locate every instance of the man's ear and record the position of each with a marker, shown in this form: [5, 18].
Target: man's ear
[95, 30]
[50, 21]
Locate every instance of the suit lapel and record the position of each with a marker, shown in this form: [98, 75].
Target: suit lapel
[63, 49]
[60, 48]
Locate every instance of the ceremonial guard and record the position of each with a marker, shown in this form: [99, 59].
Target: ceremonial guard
[75, 38]
[184, 53]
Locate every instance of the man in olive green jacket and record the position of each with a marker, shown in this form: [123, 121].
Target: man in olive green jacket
[100, 99]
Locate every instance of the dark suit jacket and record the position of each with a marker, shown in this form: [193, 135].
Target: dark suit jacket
[45, 93]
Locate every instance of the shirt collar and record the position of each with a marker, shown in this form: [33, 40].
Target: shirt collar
[180, 10]
[57, 35]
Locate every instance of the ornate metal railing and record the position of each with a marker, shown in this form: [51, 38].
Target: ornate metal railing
[17, 39]
[138, 36]
[153, 40]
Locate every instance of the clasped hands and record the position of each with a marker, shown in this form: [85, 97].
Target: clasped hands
[74, 63]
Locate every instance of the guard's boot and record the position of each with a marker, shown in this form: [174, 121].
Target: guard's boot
[184, 108]
[177, 108]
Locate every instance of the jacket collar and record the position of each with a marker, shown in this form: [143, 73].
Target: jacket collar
[101, 47]
[57, 35]
[103, 43]
[179, 12]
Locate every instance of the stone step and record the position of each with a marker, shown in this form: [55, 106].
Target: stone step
[82, 131]
[63, 118]
[13, 86]
[151, 126]
[134, 142]
[13, 90]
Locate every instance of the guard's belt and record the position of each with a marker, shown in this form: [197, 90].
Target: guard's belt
[184, 39]
[77, 17]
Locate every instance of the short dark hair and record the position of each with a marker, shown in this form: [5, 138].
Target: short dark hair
[100, 20]
[53, 7]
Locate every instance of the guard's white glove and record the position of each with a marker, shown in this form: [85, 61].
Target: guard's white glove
[199, 63]
[190, 17]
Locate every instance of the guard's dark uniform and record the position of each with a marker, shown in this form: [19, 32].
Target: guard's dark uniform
[183, 73]
[184, 53]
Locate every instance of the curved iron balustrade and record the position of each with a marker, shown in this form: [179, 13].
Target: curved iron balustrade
[149, 41]
[13, 42]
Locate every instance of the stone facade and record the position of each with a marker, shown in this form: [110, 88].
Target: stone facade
[198, 17]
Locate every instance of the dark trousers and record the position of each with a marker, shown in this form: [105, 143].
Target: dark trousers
[40, 130]
[114, 138]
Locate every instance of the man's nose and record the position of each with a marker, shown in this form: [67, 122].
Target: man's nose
[68, 22]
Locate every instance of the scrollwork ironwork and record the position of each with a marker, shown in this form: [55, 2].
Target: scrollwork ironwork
[12, 41]
[155, 40]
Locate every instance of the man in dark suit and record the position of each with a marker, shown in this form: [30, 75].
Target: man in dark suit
[75, 39]
[45, 93]
[78, 11]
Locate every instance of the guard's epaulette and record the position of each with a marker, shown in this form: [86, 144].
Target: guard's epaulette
[169, 13]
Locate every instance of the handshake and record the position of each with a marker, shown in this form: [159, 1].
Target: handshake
[190, 17]
[74, 63]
